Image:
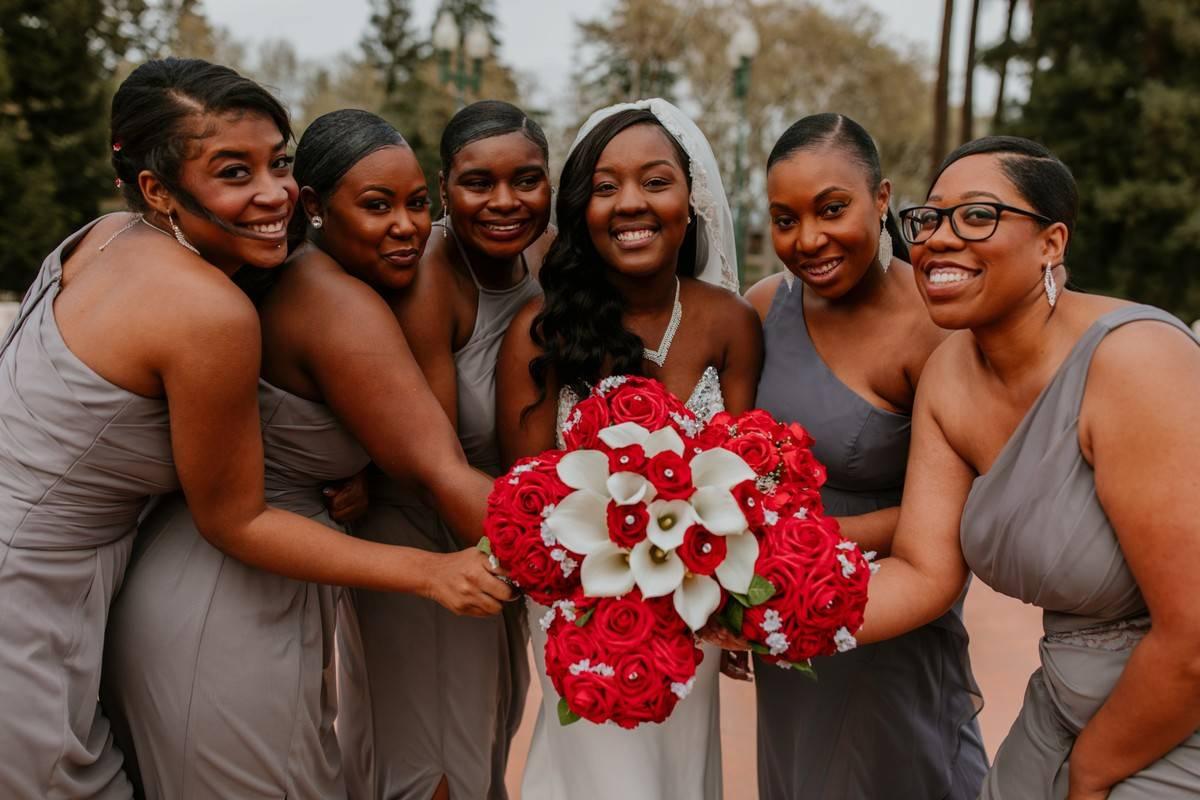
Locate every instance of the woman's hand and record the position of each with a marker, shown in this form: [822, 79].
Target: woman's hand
[464, 583]
[347, 500]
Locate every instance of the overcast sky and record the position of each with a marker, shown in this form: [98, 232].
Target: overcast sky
[536, 36]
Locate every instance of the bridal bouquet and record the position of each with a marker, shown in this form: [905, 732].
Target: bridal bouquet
[651, 525]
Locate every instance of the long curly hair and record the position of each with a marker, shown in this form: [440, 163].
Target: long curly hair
[580, 328]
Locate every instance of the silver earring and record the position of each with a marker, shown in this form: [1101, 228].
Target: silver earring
[445, 223]
[1049, 284]
[179, 237]
[316, 221]
[885, 244]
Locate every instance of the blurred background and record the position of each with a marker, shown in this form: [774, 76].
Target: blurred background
[1112, 87]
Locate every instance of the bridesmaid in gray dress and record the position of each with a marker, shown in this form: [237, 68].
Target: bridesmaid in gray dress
[1053, 455]
[334, 366]
[129, 371]
[432, 701]
[910, 700]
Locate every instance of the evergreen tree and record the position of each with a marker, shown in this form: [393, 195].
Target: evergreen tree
[1116, 95]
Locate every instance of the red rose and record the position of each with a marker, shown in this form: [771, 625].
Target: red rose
[757, 450]
[671, 476]
[702, 552]
[757, 421]
[505, 531]
[798, 436]
[627, 459]
[593, 697]
[536, 489]
[620, 623]
[627, 524]
[567, 644]
[715, 433]
[582, 428]
[750, 500]
[639, 683]
[804, 468]
[637, 401]
[677, 656]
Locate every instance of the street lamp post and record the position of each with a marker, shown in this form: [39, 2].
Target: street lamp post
[743, 46]
[448, 40]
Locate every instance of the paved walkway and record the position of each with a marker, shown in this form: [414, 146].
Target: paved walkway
[1004, 635]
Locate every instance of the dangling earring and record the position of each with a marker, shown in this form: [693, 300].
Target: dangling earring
[885, 244]
[1049, 284]
[316, 221]
[445, 222]
[179, 237]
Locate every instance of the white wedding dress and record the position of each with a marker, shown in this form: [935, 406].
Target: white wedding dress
[679, 759]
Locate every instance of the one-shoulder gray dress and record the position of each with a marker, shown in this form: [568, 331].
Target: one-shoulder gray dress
[1034, 529]
[889, 720]
[79, 458]
[219, 676]
[431, 693]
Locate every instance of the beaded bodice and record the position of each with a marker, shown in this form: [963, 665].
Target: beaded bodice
[705, 401]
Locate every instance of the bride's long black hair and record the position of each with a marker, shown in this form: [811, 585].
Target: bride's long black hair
[580, 329]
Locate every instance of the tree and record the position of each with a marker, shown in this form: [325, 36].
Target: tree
[55, 68]
[1116, 94]
[1001, 54]
[967, 127]
[941, 93]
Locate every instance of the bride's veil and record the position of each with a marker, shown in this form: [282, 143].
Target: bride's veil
[716, 259]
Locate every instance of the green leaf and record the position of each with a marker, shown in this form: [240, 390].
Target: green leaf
[803, 667]
[484, 546]
[734, 615]
[741, 598]
[761, 649]
[583, 618]
[761, 590]
[565, 715]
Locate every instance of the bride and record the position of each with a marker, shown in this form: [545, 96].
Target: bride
[640, 280]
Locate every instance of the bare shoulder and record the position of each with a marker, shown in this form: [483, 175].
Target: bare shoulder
[1149, 353]
[915, 325]
[945, 376]
[535, 254]
[762, 294]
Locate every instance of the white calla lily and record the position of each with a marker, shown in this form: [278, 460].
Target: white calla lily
[606, 572]
[669, 521]
[720, 468]
[718, 511]
[628, 488]
[661, 441]
[584, 469]
[657, 571]
[623, 435]
[580, 521]
[696, 599]
[737, 570]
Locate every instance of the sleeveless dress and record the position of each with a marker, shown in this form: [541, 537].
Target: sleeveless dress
[910, 700]
[679, 758]
[79, 458]
[425, 692]
[1034, 529]
[219, 675]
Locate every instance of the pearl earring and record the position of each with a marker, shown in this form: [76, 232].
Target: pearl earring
[316, 221]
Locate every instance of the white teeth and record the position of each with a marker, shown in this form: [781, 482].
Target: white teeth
[268, 228]
[825, 268]
[940, 276]
[512, 226]
[635, 236]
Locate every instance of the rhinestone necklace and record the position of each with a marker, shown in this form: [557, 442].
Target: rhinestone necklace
[660, 355]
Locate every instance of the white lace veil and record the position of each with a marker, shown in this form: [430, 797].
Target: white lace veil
[716, 258]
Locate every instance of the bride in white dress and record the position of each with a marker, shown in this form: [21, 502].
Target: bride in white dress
[641, 279]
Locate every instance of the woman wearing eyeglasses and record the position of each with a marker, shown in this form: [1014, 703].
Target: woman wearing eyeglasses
[1053, 455]
[846, 338]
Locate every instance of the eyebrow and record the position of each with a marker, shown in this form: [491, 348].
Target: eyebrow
[968, 195]
[375, 187]
[828, 191]
[662, 162]
[242, 154]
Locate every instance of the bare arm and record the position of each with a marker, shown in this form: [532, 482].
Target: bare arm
[520, 433]
[743, 356]
[1143, 437]
[426, 315]
[873, 530]
[926, 571]
[208, 358]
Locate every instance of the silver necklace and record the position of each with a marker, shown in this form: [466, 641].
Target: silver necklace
[177, 236]
[659, 356]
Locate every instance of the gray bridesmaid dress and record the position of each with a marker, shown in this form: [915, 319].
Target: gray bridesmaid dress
[910, 701]
[1034, 529]
[218, 675]
[79, 458]
[427, 693]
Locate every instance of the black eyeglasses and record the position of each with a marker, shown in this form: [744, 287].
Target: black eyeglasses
[971, 222]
